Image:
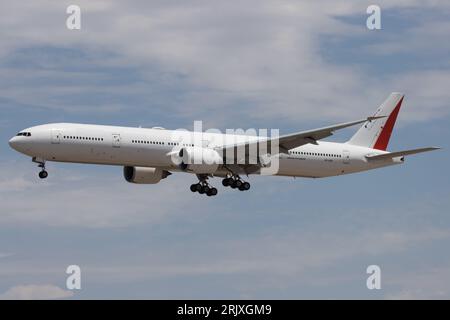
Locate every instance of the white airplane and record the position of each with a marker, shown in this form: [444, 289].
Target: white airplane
[150, 155]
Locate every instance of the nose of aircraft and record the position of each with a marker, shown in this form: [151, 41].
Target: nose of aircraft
[12, 142]
[21, 142]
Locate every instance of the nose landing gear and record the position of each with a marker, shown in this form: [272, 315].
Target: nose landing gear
[43, 174]
[41, 164]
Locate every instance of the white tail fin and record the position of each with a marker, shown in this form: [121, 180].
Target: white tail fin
[376, 134]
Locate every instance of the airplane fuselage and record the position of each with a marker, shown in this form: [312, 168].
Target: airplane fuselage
[144, 147]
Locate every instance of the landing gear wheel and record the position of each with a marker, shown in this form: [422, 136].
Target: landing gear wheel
[203, 187]
[206, 189]
[235, 182]
[43, 174]
[211, 192]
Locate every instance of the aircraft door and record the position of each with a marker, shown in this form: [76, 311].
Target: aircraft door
[346, 157]
[56, 136]
[116, 140]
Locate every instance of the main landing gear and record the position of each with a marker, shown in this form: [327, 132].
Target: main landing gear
[41, 164]
[231, 180]
[235, 182]
[203, 187]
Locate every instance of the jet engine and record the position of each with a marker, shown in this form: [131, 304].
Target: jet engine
[144, 175]
[199, 160]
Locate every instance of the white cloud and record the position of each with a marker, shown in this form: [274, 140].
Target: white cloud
[268, 257]
[35, 292]
[74, 198]
[431, 283]
[266, 53]
[284, 256]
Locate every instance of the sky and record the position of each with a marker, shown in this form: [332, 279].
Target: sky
[288, 65]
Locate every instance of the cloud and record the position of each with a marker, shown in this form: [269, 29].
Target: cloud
[264, 58]
[283, 255]
[431, 283]
[108, 201]
[35, 292]
[224, 239]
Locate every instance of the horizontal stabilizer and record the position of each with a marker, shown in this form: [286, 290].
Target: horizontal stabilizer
[396, 154]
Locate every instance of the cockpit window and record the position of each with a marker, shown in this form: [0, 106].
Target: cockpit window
[25, 134]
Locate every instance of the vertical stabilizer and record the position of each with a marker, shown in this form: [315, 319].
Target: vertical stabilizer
[376, 134]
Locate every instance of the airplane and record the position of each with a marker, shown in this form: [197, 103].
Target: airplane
[149, 155]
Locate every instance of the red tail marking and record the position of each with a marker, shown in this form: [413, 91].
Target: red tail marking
[386, 131]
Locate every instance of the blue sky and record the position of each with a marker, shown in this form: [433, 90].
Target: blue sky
[258, 64]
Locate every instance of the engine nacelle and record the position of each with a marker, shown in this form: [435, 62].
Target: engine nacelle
[144, 175]
[199, 160]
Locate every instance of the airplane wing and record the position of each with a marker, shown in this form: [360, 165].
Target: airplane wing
[390, 155]
[294, 140]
